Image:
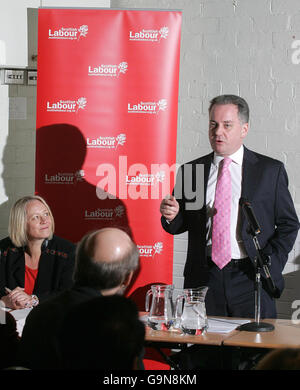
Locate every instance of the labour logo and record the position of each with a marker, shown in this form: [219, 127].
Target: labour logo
[64, 177]
[105, 214]
[68, 33]
[146, 179]
[150, 250]
[107, 142]
[108, 70]
[147, 107]
[149, 35]
[69, 105]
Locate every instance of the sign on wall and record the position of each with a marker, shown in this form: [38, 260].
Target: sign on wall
[107, 98]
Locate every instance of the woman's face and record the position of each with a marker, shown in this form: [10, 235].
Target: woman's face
[38, 221]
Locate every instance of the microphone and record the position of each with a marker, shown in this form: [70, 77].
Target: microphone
[250, 216]
[261, 259]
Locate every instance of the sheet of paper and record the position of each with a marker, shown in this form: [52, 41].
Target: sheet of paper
[224, 325]
[20, 314]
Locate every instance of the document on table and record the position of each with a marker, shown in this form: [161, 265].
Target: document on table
[224, 325]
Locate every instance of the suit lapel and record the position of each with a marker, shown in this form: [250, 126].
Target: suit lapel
[250, 181]
[250, 175]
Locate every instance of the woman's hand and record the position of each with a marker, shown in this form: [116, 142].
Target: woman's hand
[17, 299]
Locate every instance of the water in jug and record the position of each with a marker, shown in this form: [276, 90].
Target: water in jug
[161, 313]
[190, 312]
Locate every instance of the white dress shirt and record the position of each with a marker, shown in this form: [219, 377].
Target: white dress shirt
[235, 168]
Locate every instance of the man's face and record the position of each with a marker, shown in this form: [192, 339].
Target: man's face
[226, 132]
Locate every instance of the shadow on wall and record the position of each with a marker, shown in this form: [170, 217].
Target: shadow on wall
[62, 179]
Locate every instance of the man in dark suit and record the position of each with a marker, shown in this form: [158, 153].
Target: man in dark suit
[111, 335]
[263, 182]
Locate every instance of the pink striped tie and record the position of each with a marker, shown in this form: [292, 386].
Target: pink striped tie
[221, 248]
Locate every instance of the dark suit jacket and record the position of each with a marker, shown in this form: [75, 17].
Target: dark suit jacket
[55, 267]
[265, 186]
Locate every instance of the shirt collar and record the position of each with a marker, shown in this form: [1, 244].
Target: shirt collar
[236, 157]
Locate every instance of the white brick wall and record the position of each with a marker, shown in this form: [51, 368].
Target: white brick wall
[241, 47]
[228, 46]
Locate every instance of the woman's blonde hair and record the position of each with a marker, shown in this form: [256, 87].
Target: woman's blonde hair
[17, 226]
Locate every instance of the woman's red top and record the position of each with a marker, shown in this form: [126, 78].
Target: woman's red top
[30, 278]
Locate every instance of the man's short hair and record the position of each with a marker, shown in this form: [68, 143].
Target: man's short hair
[103, 333]
[242, 105]
[102, 275]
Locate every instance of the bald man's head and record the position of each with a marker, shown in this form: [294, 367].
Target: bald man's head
[109, 245]
[105, 258]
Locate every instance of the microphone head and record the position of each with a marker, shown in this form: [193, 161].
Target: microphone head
[250, 216]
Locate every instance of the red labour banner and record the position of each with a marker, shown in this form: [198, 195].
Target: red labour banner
[107, 99]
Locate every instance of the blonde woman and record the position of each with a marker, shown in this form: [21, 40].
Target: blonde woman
[34, 264]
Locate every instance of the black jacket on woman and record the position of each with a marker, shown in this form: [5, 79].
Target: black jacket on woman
[54, 272]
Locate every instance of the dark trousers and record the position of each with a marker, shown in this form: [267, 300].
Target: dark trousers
[231, 291]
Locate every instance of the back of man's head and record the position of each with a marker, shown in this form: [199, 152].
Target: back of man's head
[104, 333]
[105, 258]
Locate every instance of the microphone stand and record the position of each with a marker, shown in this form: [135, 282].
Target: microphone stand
[260, 263]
